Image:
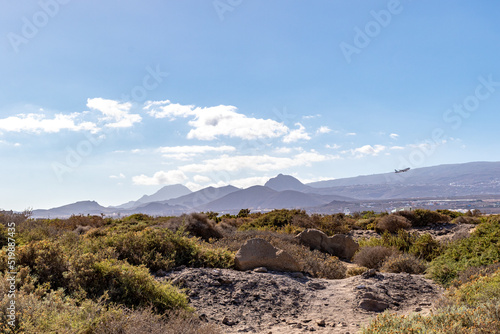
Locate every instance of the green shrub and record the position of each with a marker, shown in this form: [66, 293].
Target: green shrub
[129, 285]
[454, 319]
[425, 247]
[422, 246]
[472, 273]
[403, 263]
[196, 224]
[3, 236]
[372, 256]
[424, 217]
[478, 291]
[481, 248]
[466, 220]
[274, 220]
[47, 261]
[161, 249]
[451, 214]
[53, 312]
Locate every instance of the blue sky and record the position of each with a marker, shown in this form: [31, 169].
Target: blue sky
[110, 100]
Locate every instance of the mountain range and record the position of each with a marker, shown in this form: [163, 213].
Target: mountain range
[476, 179]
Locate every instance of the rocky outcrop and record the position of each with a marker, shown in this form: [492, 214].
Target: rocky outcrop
[259, 253]
[340, 245]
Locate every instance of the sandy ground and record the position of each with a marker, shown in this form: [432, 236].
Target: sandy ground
[273, 302]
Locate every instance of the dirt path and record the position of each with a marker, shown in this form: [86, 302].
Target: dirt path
[273, 302]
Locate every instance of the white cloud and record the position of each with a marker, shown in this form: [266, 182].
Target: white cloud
[397, 148]
[262, 163]
[250, 181]
[187, 152]
[201, 179]
[351, 134]
[118, 114]
[212, 122]
[394, 135]
[324, 129]
[38, 123]
[161, 177]
[283, 150]
[311, 116]
[367, 150]
[166, 109]
[297, 134]
[333, 147]
[119, 176]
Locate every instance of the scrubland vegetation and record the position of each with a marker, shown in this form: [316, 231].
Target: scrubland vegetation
[91, 274]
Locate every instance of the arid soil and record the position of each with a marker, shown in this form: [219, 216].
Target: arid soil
[281, 303]
[273, 302]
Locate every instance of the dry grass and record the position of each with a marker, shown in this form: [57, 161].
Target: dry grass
[403, 263]
[392, 224]
[372, 256]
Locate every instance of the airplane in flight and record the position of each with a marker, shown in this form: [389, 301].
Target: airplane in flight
[401, 170]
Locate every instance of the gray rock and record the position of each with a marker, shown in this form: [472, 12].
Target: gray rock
[260, 253]
[340, 245]
[373, 305]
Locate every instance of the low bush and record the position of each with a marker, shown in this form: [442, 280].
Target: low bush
[355, 271]
[424, 217]
[423, 246]
[372, 256]
[455, 319]
[392, 224]
[161, 249]
[46, 260]
[403, 263]
[132, 286]
[472, 273]
[480, 249]
[275, 220]
[52, 312]
[196, 224]
[466, 220]
[478, 291]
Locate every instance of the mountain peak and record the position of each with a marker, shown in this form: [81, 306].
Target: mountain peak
[285, 182]
[166, 193]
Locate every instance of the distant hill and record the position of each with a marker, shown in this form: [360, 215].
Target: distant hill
[475, 179]
[202, 196]
[264, 198]
[286, 182]
[82, 207]
[164, 194]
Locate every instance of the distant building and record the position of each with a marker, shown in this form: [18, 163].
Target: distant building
[404, 208]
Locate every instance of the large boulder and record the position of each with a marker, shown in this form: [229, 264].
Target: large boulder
[259, 253]
[340, 245]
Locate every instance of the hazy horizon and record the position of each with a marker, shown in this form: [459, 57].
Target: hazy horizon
[113, 100]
